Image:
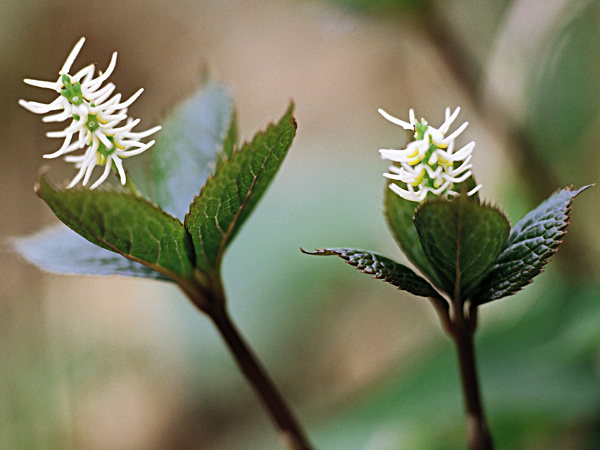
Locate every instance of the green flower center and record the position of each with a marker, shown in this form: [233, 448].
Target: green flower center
[420, 129]
[92, 123]
[107, 151]
[71, 92]
[425, 180]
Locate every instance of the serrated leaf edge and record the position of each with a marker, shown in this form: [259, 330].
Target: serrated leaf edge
[476, 200]
[564, 231]
[330, 252]
[238, 149]
[112, 191]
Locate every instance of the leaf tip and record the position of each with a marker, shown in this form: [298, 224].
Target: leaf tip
[319, 252]
[581, 189]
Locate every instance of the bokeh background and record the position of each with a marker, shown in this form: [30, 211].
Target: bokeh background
[123, 364]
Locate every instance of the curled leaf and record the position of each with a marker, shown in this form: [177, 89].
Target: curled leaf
[382, 268]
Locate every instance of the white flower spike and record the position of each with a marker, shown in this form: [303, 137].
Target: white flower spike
[95, 120]
[427, 163]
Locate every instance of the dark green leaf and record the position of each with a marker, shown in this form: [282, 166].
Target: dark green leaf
[125, 224]
[229, 197]
[531, 243]
[382, 268]
[58, 249]
[462, 239]
[400, 214]
[400, 217]
[189, 145]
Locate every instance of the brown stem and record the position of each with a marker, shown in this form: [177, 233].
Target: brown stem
[290, 430]
[478, 435]
[212, 302]
[461, 328]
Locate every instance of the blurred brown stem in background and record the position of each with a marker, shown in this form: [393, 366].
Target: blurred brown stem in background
[541, 180]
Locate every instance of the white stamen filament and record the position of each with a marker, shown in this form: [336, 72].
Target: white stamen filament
[95, 120]
[426, 164]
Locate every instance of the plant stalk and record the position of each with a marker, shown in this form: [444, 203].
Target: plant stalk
[208, 295]
[478, 435]
[291, 432]
[461, 329]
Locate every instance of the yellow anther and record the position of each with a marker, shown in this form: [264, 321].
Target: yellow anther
[419, 178]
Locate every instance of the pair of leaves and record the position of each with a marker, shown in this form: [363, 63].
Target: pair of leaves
[464, 248]
[197, 145]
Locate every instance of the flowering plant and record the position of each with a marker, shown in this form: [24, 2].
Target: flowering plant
[158, 233]
[427, 163]
[204, 185]
[95, 120]
[465, 249]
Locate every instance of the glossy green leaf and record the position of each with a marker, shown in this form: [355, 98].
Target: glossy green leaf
[58, 249]
[400, 214]
[382, 268]
[462, 239]
[190, 145]
[229, 197]
[125, 224]
[531, 243]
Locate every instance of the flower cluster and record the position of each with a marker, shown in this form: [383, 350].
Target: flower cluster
[426, 165]
[95, 120]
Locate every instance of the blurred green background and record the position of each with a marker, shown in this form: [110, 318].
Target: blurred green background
[120, 364]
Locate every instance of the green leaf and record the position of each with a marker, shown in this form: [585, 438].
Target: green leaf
[382, 268]
[462, 239]
[198, 134]
[400, 213]
[531, 243]
[58, 249]
[125, 224]
[229, 143]
[229, 197]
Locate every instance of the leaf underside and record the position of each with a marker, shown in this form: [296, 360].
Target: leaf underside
[58, 249]
[125, 224]
[531, 243]
[193, 140]
[462, 239]
[382, 268]
[229, 197]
